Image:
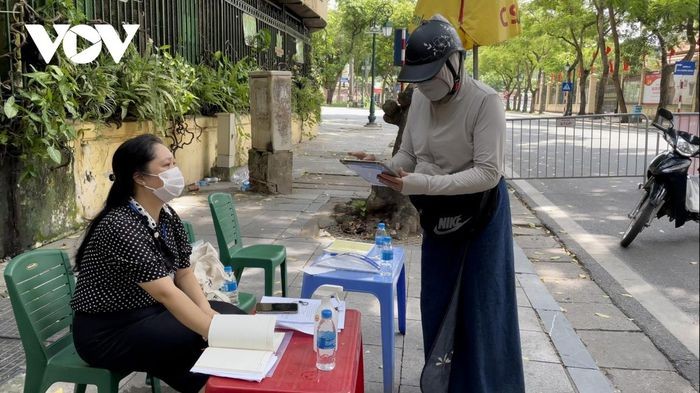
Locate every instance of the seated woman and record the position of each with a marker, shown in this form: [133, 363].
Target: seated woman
[138, 306]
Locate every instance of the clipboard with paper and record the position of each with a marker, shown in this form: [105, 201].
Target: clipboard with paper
[369, 170]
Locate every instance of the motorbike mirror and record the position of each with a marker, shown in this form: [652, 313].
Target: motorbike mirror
[665, 113]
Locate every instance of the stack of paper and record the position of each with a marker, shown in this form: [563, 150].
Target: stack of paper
[303, 320]
[243, 347]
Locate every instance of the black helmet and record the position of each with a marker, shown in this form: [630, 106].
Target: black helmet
[427, 49]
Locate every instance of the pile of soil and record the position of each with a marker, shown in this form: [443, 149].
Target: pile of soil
[350, 220]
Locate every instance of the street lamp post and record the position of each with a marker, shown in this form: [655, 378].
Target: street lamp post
[385, 30]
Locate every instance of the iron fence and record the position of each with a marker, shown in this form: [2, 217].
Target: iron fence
[191, 28]
[589, 146]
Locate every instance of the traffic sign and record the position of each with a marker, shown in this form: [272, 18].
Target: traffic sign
[567, 86]
[566, 122]
[685, 68]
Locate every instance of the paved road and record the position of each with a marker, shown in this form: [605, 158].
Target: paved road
[662, 256]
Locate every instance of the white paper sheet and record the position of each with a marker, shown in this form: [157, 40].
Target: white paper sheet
[303, 321]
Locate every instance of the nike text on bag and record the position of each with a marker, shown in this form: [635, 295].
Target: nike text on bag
[97, 35]
[455, 216]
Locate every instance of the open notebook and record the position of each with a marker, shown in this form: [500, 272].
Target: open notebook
[242, 346]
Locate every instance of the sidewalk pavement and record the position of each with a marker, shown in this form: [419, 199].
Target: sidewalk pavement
[563, 314]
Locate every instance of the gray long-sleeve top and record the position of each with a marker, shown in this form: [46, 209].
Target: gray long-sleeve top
[455, 147]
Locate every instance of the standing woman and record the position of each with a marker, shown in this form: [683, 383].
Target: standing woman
[138, 306]
[453, 147]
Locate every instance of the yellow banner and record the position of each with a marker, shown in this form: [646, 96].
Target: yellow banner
[478, 22]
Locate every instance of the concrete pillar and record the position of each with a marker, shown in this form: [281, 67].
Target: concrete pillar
[270, 158]
[225, 146]
[592, 83]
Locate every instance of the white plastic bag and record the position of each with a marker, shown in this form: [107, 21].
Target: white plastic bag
[692, 194]
[208, 270]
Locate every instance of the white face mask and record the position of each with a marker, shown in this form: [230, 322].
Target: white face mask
[434, 89]
[173, 184]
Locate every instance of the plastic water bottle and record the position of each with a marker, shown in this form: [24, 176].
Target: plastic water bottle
[380, 235]
[230, 287]
[326, 342]
[386, 265]
[326, 304]
[240, 175]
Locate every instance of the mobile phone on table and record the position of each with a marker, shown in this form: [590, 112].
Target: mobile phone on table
[277, 308]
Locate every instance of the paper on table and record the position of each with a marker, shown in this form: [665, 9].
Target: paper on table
[242, 331]
[316, 270]
[350, 262]
[346, 246]
[303, 320]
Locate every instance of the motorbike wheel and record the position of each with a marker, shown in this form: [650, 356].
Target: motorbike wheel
[638, 222]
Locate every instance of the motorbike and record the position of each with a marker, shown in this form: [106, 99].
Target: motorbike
[665, 181]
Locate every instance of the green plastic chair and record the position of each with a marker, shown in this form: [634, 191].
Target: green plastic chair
[41, 284]
[232, 252]
[189, 230]
[246, 301]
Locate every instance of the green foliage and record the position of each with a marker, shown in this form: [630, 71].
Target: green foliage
[36, 123]
[359, 207]
[154, 86]
[306, 100]
[329, 57]
[222, 84]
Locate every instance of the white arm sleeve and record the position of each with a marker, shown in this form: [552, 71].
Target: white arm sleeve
[405, 158]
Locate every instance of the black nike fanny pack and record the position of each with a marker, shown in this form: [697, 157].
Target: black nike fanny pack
[455, 216]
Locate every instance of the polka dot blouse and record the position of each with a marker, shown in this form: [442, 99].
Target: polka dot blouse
[125, 249]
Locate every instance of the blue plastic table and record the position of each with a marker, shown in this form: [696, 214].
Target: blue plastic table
[384, 288]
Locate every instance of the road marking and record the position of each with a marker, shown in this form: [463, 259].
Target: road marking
[679, 323]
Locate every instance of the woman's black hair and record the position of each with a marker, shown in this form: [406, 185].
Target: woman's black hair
[131, 156]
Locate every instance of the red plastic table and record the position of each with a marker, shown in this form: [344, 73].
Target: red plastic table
[297, 373]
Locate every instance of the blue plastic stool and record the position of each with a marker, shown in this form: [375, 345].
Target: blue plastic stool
[382, 287]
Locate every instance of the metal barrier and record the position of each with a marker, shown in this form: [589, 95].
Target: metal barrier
[585, 146]
[589, 146]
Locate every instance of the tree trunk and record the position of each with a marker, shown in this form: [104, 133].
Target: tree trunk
[621, 105]
[329, 95]
[696, 107]
[582, 81]
[543, 93]
[603, 82]
[509, 93]
[351, 81]
[582, 88]
[529, 69]
[666, 75]
[403, 217]
[536, 92]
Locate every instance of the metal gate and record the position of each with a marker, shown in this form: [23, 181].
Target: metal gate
[588, 146]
